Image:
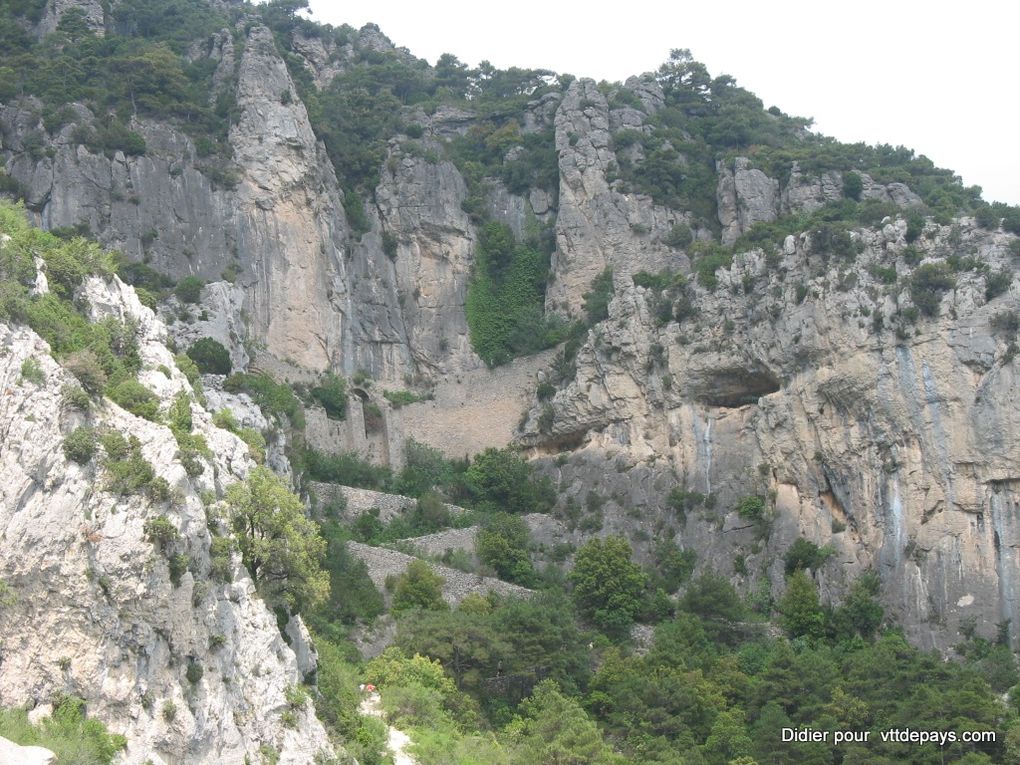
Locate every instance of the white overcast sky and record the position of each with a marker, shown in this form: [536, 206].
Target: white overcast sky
[939, 78]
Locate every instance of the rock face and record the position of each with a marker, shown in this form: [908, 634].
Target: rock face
[799, 378]
[189, 672]
[890, 445]
[12, 754]
[596, 226]
[746, 195]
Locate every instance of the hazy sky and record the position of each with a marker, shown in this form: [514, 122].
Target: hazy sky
[937, 78]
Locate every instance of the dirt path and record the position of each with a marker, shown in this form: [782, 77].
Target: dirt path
[396, 740]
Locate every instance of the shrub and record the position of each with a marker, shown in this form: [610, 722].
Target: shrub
[280, 546]
[502, 543]
[596, 301]
[608, 585]
[399, 398]
[136, 398]
[915, 225]
[129, 472]
[161, 532]
[76, 397]
[853, 185]
[67, 732]
[86, 367]
[276, 400]
[679, 237]
[805, 554]
[178, 564]
[418, 587]
[80, 445]
[505, 299]
[221, 550]
[169, 711]
[997, 283]
[179, 414]
[331, 393]
[194, 672]
[189, 289]
[210, 357]
[927, 284]
[190, 370]
[32, 372]
[389, 245]
[752, 508]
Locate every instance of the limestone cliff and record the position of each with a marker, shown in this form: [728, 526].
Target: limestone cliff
[190, 669]
[800, 374]
[801, 381]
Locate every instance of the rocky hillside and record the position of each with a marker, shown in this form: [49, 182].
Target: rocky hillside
[704, 323]
[115, 588]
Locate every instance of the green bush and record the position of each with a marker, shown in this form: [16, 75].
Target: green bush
[679, 237]
[596, 301]
[67, 732]
[752, 508]
[418, 587]
[189, 289]
[853, 185]
[128, 471]
[194, 672]
[210, 356]
[331, 393]
[927, 285]
[506, 296]
[80, 445]
[136, 398]
[997, 282]
[400, 398]
[32, 372]
[805, 554]
[502, 543]
[608, 587]
[161, 532]
[220, 551]
[178, 565]
[276, 400]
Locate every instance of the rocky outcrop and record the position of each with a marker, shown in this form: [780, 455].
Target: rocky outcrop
[12, 754]
[91, 13]
[745, 195]
[290, 219]
[189, 670]
[598, 227]
[410, 273]
[883, 438]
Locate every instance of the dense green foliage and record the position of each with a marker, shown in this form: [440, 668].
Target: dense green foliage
[138, 68]
[280, 547]
[505, 298]
[67, 732]
[608, 585]
[80, 445]
[418, 587]
[210, 356]
[331, 394]
[503, 544]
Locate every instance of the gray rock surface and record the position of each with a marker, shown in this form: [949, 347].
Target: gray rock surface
[596, 226]
[892, 448]
[12, 754]
[95, 613]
